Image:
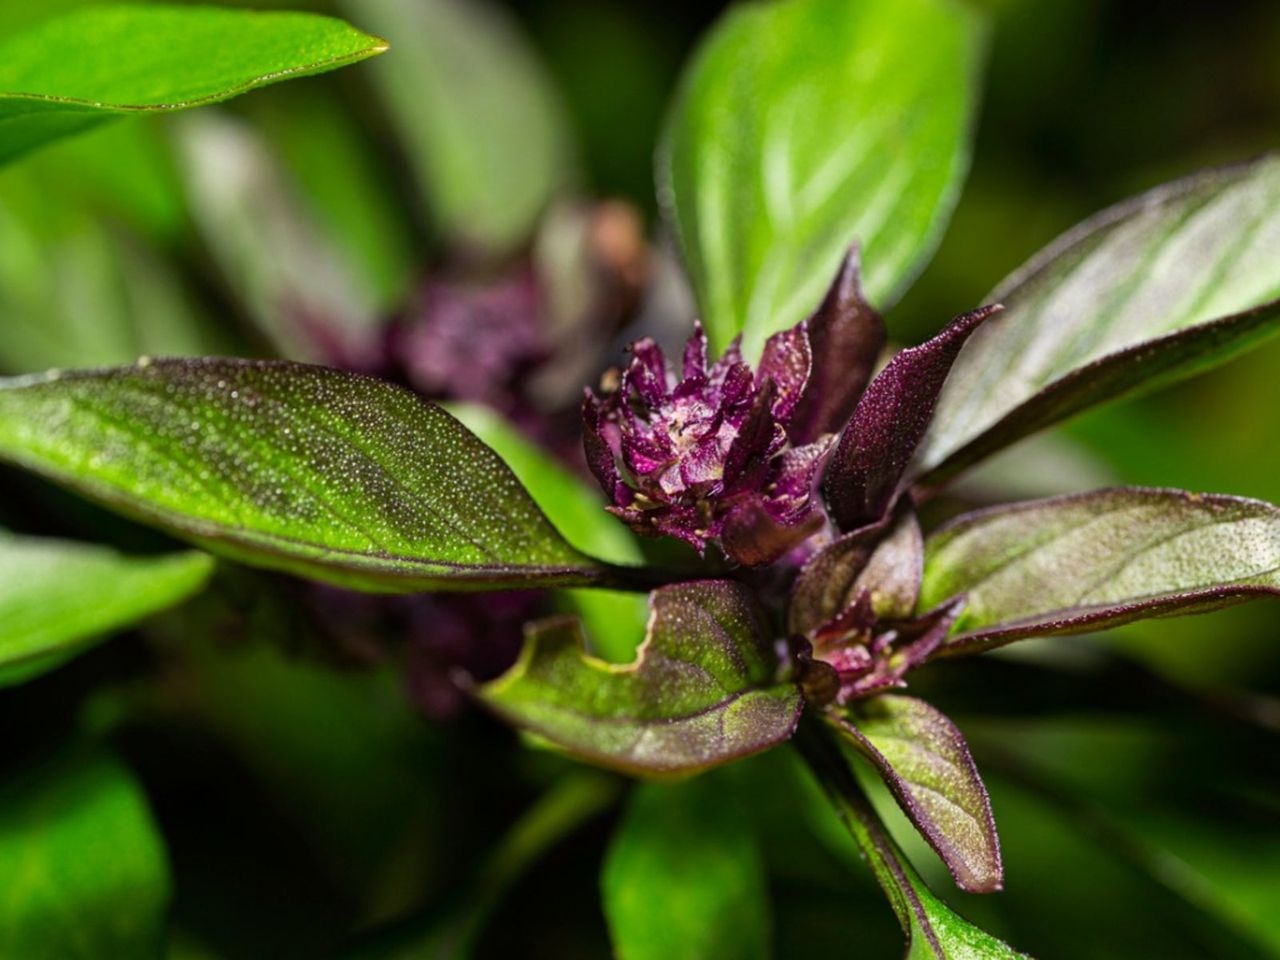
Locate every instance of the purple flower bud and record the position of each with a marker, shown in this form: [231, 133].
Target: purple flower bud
[856, 654]
[705, 457]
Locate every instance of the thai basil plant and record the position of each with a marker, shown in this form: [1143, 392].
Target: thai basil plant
[770, 480]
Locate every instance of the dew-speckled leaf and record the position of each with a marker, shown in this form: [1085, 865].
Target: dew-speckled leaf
[84, 866]
[324, 474]
[56, 596]
[89, 66]
[1157, 288]
[684, 876]
[614, 620]
[926, 764]
[803, 126]
[1083, 562]
[476, 113]
[703, 689]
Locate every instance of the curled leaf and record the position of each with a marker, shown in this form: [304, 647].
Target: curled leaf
[703, 689]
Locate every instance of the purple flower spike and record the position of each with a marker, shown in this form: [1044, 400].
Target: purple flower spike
[705, 456]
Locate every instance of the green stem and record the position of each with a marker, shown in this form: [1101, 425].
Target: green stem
[897, 878]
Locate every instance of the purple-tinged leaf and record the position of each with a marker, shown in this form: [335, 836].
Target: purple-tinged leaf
[885, 560]
[865, 472]
[892, 575]
[1157, 288]
[703, 690]
[925, 762]
[825, 585]
[1079, 563]
[846, 337]
[325, 474]
[934, 931]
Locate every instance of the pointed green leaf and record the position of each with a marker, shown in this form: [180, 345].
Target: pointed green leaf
[690, 848]
[703, 688]
[805, 125]
[925, 762]
[73, 72]
[1078, 563]
[324, 474]
[56, 596]
[84, 865]
[477, 113]
[1157, 288]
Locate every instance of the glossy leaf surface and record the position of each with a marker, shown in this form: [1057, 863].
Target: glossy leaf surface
[320, 473]
[56, 595]
[1078, 563]
[703, 689]
[807, 125]
[690, 848]
[85, 869]
[1154, 289]
[73, 72]
[477, 114]
[925, 762]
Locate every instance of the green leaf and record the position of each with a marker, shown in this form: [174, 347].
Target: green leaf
[614, 620]
[324, 474]
[805, 125]
[93, 65]
[925, 762]
[703, 689]
[56, 596]
[1079, 563]
[84, 865]
[684, 876]
[934, 931]
[477, 113]
[1155, 289]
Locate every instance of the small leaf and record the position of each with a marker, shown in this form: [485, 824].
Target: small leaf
[614, 620]
[324, 474]
[690, 848]
[76, 71]
[925, 762]
[1157, 288]
[865, 471]
[857, 130]
[477, 114]
[703, 689]
[56, 596]
[1079, 563]
[934, 931]
[84, 865]
[885, 560]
